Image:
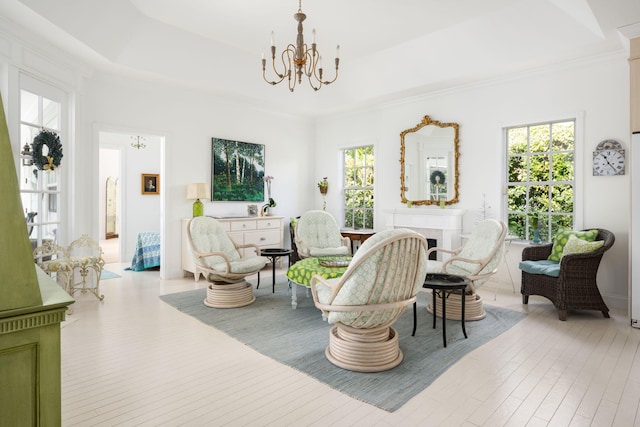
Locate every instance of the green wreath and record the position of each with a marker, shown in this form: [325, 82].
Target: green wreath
[437, 177]
[53, 158]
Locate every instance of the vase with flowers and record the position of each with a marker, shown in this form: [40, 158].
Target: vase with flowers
[266, 208]
[535, 225]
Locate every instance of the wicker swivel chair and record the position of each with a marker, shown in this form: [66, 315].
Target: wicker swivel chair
[382, 279]
[220, 259]
[575, 288]
[477, 260]
[317, 234]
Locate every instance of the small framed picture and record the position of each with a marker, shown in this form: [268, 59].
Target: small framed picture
[150, 183]
[252, 210]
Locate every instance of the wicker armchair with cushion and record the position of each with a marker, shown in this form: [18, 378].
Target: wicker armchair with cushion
[570, 282]
[382, 279]
[219, 257]
[317, 234]
[477, 261]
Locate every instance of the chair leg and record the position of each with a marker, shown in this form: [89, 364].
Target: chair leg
[525, 299]
[605, 313]
[562, 315]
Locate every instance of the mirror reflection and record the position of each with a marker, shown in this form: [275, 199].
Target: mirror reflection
[429, 163]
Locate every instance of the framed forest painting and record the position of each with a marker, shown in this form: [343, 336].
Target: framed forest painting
[237, 171]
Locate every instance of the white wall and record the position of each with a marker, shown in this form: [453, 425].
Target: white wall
[596, 90]
[188, 120]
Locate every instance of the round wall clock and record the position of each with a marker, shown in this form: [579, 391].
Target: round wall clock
[608, 158]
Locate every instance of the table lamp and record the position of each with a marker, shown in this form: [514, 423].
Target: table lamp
[197, 191]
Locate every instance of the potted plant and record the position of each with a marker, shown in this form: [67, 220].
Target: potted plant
[323, 185]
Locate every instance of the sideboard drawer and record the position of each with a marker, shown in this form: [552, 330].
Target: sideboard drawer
[269, 223]
[243, 225]
[263, 238]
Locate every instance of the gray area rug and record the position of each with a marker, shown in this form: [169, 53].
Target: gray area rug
[298, 338]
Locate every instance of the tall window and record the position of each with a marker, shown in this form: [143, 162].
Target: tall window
[358, 187]
[39, 190]
[540, 178]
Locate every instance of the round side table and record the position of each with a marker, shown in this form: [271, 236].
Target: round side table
[443, 284]
[273, 254]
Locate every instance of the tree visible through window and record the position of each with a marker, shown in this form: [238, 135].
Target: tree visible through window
[540, 178]
[358, 187]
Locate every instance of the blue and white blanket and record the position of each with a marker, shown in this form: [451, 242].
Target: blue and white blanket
[147, 251]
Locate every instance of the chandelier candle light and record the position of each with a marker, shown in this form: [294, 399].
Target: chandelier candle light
[197, 191]
[299, 59]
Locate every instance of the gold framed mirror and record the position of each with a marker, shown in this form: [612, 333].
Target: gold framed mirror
[429, 163]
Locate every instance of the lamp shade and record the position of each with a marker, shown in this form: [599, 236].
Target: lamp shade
[198, 190]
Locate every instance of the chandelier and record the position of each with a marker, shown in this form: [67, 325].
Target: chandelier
[138, 145]
[299, 60]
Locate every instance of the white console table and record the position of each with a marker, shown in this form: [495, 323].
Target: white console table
[266, 232]
[442, 225]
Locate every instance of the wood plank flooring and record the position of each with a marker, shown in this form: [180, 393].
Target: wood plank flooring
[132, 360]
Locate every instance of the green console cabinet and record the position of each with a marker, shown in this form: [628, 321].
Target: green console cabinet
[30, 359]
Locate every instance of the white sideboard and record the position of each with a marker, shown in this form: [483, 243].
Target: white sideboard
[266, 232]
[442, 225]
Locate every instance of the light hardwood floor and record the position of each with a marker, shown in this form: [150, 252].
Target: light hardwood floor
[133, 360]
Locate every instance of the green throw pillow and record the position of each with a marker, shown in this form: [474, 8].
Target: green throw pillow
[561, 239]
[578, 246]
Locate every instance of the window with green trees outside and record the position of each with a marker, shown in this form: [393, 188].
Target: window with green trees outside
[540, 178]
[358, 163]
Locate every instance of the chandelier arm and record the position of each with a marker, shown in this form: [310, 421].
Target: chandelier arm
[273, 63]
[310, 62]
[337, 60]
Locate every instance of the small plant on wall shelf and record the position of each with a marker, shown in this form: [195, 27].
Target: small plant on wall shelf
[323, 185]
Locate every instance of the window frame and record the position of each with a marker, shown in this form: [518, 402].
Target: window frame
[578, 173]
[345, 188]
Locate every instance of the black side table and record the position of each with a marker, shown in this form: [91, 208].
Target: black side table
[273, 254]
[443, 284]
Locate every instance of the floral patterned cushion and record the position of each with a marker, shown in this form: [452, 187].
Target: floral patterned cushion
[318, 231]
[368, 281]
[208, 235]
[479, 246]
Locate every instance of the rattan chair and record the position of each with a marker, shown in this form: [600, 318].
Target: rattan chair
[382, 279]
[576, 287]
[219, 257]
[477, 261]
[317, 234]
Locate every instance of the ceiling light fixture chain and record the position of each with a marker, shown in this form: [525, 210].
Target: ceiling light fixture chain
[299, 60]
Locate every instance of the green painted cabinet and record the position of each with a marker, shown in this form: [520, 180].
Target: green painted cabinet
[30, 359]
